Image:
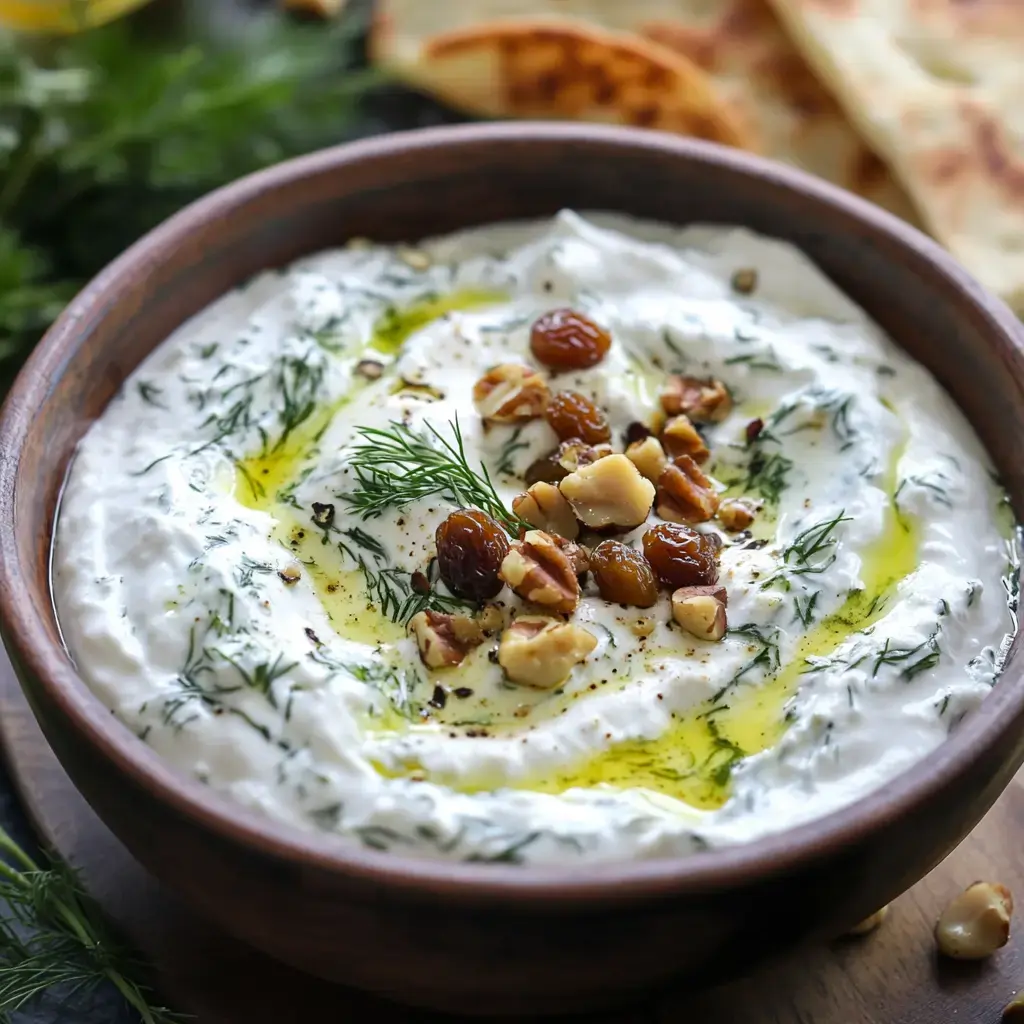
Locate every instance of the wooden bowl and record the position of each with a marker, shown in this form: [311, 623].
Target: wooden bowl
[473, 937]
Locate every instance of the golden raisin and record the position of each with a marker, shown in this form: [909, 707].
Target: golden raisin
[681, 557]
[571, 414]
[623, 575]
[470, 549]
[566, 340]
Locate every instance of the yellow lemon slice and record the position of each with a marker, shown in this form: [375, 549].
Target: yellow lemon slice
[64, 16]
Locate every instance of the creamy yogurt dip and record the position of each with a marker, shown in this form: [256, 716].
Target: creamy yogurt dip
[237, 592]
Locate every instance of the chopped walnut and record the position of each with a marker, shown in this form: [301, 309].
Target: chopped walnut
[291, 573]
[369, 369]
[444, 639]
[649, 457]
[510, 393]
[685, 494]
[541, 652]
[609, 492]
[544, 506]
[737, 514]
[680, 437]
[976, 923]
[701, 611]
[744, 280]
[573, 454]
[704, 401]
[578, 555]
[491, 618]
[538, 570]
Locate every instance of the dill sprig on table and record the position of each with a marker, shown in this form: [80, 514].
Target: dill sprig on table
[396, 467]
[53, 936]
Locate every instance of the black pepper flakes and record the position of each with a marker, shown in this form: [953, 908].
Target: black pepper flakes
[636, 432]
[438, 698]
[323, 514]
[462, 692]
[313, 638]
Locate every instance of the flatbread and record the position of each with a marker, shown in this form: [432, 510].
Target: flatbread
[937, 87]
[784, 111]
[564, 68]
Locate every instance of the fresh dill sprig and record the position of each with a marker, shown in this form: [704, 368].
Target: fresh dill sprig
[396, 467]
[810, 553]
[54, 936]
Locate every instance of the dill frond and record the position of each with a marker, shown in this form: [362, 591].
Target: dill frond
[396, 467]
[53, 936]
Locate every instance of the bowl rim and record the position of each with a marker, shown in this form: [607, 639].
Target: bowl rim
[556, 886]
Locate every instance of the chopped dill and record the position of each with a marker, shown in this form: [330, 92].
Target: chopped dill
[768, 475]
[766, 658]
[804, 613]
[506, 465]
[150, 394]
[262, 676]
[397, 593]
[914, 660]
[934, 483]
[249, 568]
[811, 552]
[396, 685]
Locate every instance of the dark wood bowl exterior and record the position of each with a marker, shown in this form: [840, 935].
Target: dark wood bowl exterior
[490, 938]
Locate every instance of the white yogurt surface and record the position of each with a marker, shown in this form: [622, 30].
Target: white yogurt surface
[306, 703]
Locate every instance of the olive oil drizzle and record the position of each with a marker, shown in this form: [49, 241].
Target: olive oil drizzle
[692, 760]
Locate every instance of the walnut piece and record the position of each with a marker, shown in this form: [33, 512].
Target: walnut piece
[609, 492]
[649, 457]
[541, 652]
[544, 506]
[538, 570]
[679, 437]
[444, 639]
[369, 369]
[491, 618]
[744, 280]
[701, 611]
[573, 454]
[291, 573]
[976, 923]
[704, 401]
[736, 514]
[685, 494]
[578, 555]
[510, 393]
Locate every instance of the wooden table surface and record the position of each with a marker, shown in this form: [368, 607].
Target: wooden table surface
[890, 977]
